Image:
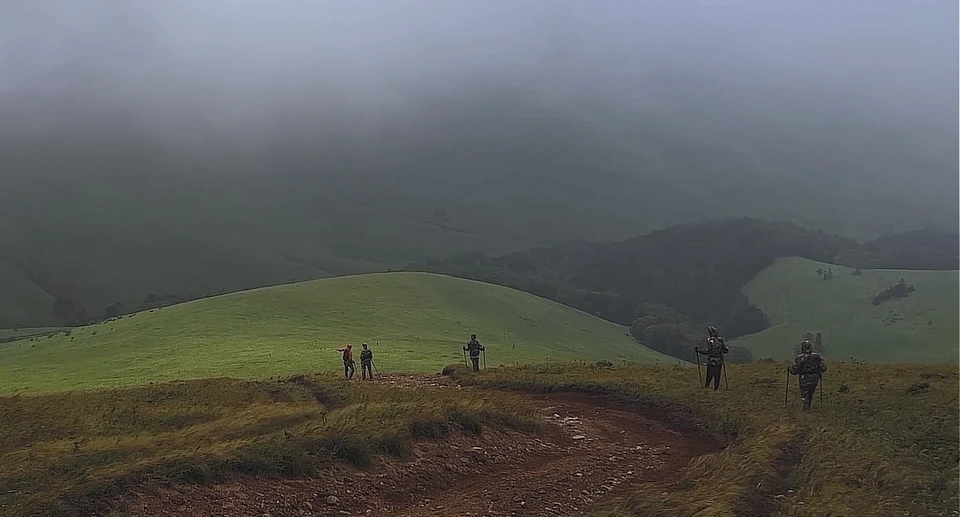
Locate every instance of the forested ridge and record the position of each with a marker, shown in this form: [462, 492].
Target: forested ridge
[669, 283]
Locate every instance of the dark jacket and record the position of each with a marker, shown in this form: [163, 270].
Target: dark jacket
[366, 356]
[473, 347]
[715, 350]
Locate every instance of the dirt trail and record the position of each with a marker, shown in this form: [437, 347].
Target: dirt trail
[590, 449]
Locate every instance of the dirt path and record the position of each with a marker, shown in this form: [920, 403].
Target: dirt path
[590, 449]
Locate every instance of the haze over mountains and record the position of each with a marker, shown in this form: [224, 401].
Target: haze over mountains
[178, 147]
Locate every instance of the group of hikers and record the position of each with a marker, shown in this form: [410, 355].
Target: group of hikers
[473, 348]
[808, 365]
[366, 361]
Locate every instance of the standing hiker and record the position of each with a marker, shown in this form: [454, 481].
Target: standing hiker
[714, 352]
[348, 364]
[366, 362]
[474, 348]
[809, 368]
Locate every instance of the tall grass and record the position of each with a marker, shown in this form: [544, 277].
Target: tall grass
[69, 454]
[885, 441]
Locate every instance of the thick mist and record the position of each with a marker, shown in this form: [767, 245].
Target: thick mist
[693, 100]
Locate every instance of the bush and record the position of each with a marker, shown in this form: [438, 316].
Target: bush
[901, 290]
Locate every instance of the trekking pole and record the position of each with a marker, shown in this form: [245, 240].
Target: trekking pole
[465, 365]
[786, 390]
[374, 367]
[699, 375]
[726, 383]
[821, 390]
[483, 354]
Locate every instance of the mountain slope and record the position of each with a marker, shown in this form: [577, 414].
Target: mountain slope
[93, 191]
[420, 321]
[919, 328]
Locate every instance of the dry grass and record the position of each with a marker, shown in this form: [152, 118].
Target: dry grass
[67, 454]
[884, 443]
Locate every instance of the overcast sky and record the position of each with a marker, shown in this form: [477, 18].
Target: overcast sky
[895, 55]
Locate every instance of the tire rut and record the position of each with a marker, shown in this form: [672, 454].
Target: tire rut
[590, 449]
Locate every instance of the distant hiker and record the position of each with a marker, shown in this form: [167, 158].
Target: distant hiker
[348, 364]
[809, 368]
[474, 348]
[714, 352]
[366, 362]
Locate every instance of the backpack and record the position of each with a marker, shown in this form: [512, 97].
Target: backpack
[809, 365]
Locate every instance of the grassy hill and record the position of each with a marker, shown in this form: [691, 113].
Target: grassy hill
[919, 328]
[867, 450]
[420, 321]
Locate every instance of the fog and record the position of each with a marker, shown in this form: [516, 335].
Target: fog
[802, 89]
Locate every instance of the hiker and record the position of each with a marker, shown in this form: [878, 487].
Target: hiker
[714, 352]
[366, 362]
[809, 368]
[474, 348]
[348, 365]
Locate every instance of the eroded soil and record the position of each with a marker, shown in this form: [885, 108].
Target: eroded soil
[589, 449]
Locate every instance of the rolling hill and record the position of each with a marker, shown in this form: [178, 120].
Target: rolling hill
[919, 328]
[420, 321]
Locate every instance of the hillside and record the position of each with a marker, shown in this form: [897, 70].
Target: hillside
[685, 277]
[558, 439]
[419, 320]
[919, 328]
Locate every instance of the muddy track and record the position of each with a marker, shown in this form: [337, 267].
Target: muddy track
[590, 449]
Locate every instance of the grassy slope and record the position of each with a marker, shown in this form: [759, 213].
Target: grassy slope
[62, 454]
[888, 449]
[420, 321]
[872, 449]
[919, 328]
[23, 333]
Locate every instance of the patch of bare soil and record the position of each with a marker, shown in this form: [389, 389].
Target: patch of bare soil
[589, 449]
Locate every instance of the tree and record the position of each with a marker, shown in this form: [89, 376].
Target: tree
[113, 310]
[664, 337]
[64, 309]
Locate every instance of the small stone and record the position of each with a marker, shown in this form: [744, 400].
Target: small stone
[579, 437]
[333, 500]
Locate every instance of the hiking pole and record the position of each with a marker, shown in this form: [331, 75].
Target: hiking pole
[483, 355]
[726, 383]
[821, 390]
[786, 390]
[699, 375]
[374, 367]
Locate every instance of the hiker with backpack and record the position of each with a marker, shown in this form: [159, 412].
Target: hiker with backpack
[366, 362]
[473, 347]
[809, 368]
[714, 352]
[348, 364]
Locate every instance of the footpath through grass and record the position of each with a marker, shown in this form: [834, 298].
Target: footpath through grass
[884, 443]
[71, 453]
[420, 321]
[919, 328]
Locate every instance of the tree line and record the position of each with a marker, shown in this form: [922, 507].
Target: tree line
[667, 285]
